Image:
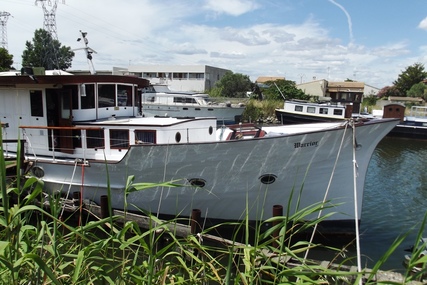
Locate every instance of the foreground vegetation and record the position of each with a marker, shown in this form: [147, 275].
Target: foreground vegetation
[47, 247]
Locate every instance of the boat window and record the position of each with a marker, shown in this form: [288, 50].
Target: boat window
[323, 111]
[95, 138]
[87, 96]
[178, 137]
[106, 95]
[145, 136]
[119, 138]
[338, 112]
[178, 100]
[74, 92]
[36, 101]
[298, 108]
[311, 110]
[124, 95]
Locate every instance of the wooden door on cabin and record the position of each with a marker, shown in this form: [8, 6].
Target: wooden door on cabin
[59, 106]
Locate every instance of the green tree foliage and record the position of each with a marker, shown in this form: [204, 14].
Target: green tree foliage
[46, 52]
[6, 60]
[413, 74]
[418, 90]
[232, 85]
[389, 91]
[286, 87]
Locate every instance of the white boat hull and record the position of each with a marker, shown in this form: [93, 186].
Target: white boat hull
[232, 172]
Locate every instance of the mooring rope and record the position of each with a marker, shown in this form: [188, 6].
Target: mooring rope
[327, 188]
[69, 188]
[356, 215]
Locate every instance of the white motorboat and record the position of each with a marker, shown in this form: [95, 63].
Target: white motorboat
[159, 100]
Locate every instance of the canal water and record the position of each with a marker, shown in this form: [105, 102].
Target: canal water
[395, 200]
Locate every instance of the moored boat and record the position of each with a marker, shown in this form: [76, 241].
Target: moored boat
[229, 173]
[414, 125]
[159, 100]
[298, 112]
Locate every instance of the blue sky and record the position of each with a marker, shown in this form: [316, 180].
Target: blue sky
[367, 40]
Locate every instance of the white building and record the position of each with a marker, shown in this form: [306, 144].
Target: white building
[178, 77]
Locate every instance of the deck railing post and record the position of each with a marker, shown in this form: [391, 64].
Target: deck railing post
[195, 221]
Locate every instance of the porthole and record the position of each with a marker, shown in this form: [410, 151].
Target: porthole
[197, 182]
[267, 178]
[178, 137]
[210, 130]
[37, 171]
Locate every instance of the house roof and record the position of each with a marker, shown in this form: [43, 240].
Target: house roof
[346, 86]
[263, 79]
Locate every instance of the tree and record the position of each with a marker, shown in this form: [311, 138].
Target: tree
[6, 60]
[46, 52]
[411, 75]
[389, 91]
[286, 87]
[418, 90]
[232, 85]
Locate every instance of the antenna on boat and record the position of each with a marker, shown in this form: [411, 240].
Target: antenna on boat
[88, 52]
[279, 90]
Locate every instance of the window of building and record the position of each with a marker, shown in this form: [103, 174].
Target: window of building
[196, 76]
[36, 102]
[149, 74]
[180, 75]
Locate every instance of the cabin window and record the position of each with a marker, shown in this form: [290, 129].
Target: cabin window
[311, 110]
[323, 111]
[106, 95]
[87, 96]
[184, 100]
[124, 95]
[95, 138]
[36, 101]
[73, 91]
[338, 112]
[298, 108]
[119, 138]
[145, 136]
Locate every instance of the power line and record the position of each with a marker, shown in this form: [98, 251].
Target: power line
[4, 16]
[49, 23]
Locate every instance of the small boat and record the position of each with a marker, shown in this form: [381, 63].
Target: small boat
[159, 100]
[412, 126]
[298, 112]
[84, 134]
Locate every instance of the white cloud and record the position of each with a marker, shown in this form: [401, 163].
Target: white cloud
[231, 7]
[423, 24]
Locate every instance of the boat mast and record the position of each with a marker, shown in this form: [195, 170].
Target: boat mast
[88, 52]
